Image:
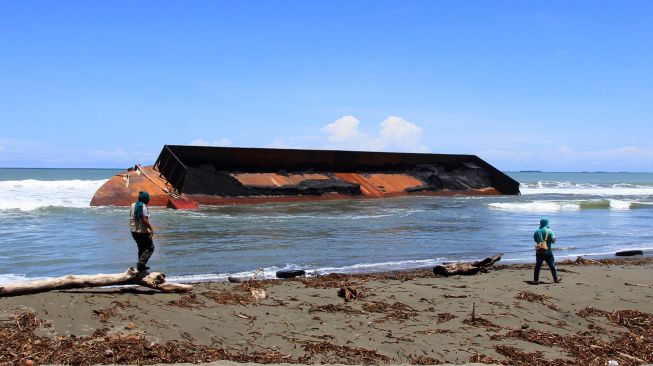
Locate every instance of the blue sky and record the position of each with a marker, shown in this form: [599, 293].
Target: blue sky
[545, 85]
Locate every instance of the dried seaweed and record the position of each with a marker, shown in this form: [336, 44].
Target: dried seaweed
[444, 317]
[333, 353]
[332, 308]
[425, 360]
[592, 312]
[396, 311]
[519, 358]
[481, 322]
[633, 347]
[227, 297]
[481, 358]
[332, 280]
[538, 298]
[187, 301]
[18, 343]
[103, 315]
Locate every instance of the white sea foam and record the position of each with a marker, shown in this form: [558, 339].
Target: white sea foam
[16, 278]
[270, 272]
[569, 205]
[32, 194]
[536, 206]
[567, 188]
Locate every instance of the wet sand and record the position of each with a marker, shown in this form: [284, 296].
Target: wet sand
[600, 312]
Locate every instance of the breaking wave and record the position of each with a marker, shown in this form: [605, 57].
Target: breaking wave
[570, 205]
[30, 194]
[568, 188]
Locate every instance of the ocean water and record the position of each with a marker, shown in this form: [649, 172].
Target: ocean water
[48, 229]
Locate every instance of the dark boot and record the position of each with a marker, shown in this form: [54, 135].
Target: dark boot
[142, 260]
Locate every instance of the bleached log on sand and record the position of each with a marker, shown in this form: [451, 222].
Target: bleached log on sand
[153, 280]
[466, 268]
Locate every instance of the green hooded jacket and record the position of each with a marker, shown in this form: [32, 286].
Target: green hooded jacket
[540, 234]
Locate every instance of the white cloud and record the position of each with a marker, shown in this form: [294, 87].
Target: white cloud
[221, 142]
[343, 129]
[395, 133]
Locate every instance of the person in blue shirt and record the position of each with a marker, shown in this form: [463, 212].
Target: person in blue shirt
[544, 233]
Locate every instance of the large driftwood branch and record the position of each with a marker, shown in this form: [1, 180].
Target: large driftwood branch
[154, 280]
[466, 268]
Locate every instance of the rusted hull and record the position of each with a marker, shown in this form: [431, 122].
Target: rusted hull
[185, 175]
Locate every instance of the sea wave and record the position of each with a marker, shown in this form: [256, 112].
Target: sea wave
[568, 188]
[30, 194]
[569, 205]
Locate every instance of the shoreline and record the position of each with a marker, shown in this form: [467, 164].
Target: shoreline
[406, 317]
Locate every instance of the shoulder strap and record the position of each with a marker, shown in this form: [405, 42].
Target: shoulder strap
[546, 237]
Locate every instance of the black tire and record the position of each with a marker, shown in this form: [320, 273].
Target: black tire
[628, 253]
[291, 273]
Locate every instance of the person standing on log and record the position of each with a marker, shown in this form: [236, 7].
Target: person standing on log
[142, 231]
[544, 235]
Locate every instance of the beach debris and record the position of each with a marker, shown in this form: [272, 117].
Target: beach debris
[243, 316]
[187, 301]
[481, 358]
[29, 362]
[425, 360]
[533, 297]
[291, 273]
[19, 341]
[103, 315]
[450, 296]
[473, 311]
[332, 308]
[613, 363]
[444, 317]
[466, 268]
[396, 311]
[583, 260]
[628, 253]
[348, 293]
[477, 321]
[637, 285]
[154, 280]
[259, 294]
[336, 353]
[234, 279]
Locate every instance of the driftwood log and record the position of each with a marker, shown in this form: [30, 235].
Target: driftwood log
[154, 280]
[466, 268]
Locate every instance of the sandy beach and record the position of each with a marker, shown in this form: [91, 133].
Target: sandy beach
[600, 312]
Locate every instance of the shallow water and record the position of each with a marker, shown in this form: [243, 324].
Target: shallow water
[48, 229]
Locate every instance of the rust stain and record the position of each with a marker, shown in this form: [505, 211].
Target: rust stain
[116, 191]
[122, 191]
[393, 183]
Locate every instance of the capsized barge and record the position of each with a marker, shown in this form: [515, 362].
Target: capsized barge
[184, 176]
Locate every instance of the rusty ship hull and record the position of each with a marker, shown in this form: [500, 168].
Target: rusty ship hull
[185, 176]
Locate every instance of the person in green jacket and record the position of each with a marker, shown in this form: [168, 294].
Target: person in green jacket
[544, 233]
[142, 230]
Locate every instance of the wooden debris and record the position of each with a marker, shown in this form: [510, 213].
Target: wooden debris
[466, 268]
[348, 293]
[259, 294]
[154, 280]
